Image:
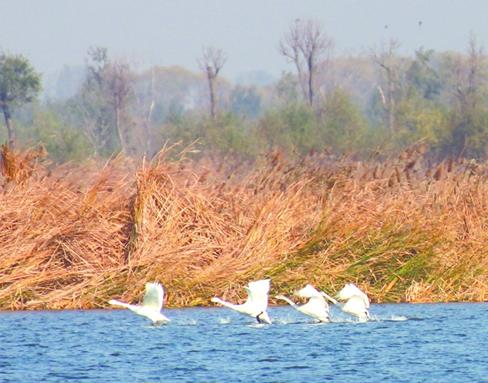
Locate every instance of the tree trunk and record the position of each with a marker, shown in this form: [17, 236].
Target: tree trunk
[301, 78]
[119, 130]
[310, 80]
[391, 103]
[8, 124]
[212, 96]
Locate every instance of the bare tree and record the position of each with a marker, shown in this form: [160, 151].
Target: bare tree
[93, 105]
[306, 44]
[119, 86]
[144, 105]
[388, 62]
[470, 91]
[469, 76]
[211, 62]
[105, 98]
[146, 119]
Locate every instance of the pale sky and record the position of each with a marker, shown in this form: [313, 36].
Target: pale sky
[52, 33]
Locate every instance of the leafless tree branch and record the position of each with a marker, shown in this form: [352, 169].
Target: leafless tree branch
[211, 62]
[305, 44]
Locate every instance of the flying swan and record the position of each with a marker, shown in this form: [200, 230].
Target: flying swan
[151, 304]
[356, 301]
[256, 303]
[316, 307]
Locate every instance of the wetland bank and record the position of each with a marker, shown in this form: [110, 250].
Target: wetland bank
[74, 236]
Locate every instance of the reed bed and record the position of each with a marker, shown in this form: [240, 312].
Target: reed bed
[74, 236]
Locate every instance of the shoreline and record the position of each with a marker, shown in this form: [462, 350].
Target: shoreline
[223, 308]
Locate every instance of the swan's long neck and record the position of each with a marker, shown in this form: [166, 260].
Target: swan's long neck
[289, 301]
[115, 302]
[329, 298]
[227, 304]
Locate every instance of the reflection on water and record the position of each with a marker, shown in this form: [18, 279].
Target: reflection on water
[402, 343]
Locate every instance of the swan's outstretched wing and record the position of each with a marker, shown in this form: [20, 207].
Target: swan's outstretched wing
[356, 306]
[365, 300]
[363, 296]
[350, 290]
[258, 293]
[153, 298]
[317, 308]
[346, 292]
[308, 292]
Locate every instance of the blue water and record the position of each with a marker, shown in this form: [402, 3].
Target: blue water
[404, 343]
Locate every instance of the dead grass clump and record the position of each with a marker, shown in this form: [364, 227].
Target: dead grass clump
[18, 166]
[55, 234]
[75, 236]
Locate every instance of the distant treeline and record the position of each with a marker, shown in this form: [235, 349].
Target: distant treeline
[381, 101]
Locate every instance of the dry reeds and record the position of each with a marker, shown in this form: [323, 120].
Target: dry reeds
[76, 236]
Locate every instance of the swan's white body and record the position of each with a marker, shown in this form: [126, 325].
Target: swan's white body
[256, 303]
[356, 301]
[316, 307]
[151, 304]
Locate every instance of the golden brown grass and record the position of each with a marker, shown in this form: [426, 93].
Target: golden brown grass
[75, 236]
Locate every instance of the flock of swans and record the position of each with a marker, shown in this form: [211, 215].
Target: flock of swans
[350, 299]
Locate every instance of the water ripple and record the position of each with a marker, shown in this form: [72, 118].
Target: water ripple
[404, 343]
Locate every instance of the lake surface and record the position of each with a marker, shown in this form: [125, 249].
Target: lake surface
[404, 343]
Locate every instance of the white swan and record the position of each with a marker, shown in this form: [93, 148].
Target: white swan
[256, 303]
[316, 307]
[151, 304]
[357, 302]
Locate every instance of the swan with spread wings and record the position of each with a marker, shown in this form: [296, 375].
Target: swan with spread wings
[151, 305]
[316, 307]
[256, 303]
[356, 301]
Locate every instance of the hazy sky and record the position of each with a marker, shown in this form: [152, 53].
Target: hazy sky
[52, 33]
